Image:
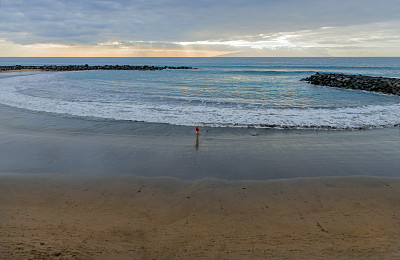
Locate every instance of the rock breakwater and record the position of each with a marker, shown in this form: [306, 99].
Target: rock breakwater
[358, 82]
[87, 67]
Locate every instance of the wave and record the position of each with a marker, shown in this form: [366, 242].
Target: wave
[339, 118]
[270, 72]
[207, 114]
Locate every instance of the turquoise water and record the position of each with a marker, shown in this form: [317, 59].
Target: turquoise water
[233, 92]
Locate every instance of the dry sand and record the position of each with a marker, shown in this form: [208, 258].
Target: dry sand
[119, 217]
[23, 70]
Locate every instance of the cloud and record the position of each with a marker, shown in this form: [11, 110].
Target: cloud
[111, 49]
[325, 40]
[217, 26]
[380, 39]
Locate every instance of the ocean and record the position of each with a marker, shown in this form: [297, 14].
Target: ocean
[221, 92]
[257, 120]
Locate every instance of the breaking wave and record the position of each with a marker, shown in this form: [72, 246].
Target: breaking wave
[188, 114]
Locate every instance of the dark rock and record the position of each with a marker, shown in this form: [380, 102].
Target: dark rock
[87, 67]
[359, 82]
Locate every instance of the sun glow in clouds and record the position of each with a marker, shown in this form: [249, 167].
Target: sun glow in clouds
[282, 42]
[324, 41]
[330, 39]
[199, 28]
[323, 37]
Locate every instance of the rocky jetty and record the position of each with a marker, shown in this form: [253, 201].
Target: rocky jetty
[87, 67]
[359, 82]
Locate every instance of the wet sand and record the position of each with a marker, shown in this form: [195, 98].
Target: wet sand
[34, 142]
[53, 216]
[194, 200]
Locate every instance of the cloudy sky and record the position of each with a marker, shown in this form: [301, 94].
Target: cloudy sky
[199, 28]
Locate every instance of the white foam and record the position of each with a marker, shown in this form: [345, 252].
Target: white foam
[204, 114]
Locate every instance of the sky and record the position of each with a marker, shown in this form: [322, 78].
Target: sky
[199, 28]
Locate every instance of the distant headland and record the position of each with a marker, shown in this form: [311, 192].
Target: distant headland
[359, 82]
[87, 67]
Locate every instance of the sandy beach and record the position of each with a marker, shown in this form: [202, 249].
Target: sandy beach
[121, 217]
[72, 188]
[22, 70]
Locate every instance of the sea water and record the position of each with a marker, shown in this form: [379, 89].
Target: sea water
[141, 122]
[221, 92]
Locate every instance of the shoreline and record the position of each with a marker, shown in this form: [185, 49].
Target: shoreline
[21, 70]
[111, 217]
[87, 188]
[43, 143]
